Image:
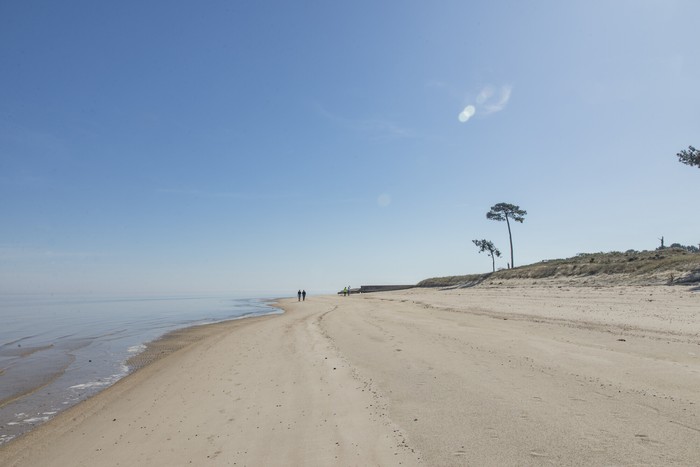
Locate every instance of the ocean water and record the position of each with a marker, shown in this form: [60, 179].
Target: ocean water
[58, 351]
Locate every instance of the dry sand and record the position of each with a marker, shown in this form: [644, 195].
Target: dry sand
[526, 375]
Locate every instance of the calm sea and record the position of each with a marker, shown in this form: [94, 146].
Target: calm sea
[55, 352]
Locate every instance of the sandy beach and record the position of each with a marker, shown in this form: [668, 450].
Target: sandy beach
[518, 375]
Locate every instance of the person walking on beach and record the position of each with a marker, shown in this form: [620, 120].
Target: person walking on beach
[345, 292]
[303, 295]
[299, 296]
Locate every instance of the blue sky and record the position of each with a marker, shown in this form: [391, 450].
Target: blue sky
[196, 147]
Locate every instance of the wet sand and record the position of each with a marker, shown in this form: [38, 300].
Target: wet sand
[524, 375]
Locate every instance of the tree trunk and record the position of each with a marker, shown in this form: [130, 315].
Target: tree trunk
[510, 238]
[493, 261]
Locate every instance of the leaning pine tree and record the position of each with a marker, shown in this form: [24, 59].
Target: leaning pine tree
[504, 212]
[486, 245]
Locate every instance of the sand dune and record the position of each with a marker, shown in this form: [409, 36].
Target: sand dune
[484, 376]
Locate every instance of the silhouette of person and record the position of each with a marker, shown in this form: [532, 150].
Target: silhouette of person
[303, 295]
[299, 296]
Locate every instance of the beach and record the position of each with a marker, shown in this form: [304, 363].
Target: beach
[521, 374]
[58, 350]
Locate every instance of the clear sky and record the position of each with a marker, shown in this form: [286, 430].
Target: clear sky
[226, 146]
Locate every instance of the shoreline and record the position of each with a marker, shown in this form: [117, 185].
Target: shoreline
[157, 350]
[530, 374]
[177, 339]
[152, 350]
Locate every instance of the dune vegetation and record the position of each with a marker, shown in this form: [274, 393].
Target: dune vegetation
[672, 266]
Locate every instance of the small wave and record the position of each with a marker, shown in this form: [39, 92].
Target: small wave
[91, 384]
[100, 383]
[36, 420]
[136, 348]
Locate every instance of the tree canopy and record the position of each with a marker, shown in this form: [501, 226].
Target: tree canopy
[690, 156]
[504, 211]
[486, 245]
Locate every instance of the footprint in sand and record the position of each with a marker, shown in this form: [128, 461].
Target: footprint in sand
[646, 440]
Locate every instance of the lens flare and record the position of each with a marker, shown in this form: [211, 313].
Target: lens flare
[467, 113]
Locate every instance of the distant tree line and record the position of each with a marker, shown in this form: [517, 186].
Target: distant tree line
[690, 248]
